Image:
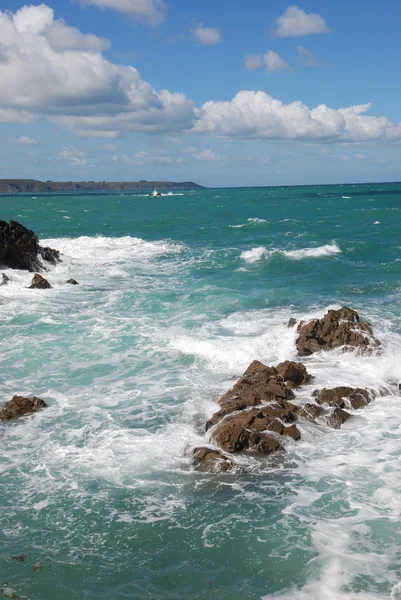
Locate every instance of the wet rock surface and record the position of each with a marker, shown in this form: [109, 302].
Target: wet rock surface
[338, 328]
[72, 282]
[19, 406]
[261, 410]
[39, 283]
[20, 249]
[209, 459]
[4, 279]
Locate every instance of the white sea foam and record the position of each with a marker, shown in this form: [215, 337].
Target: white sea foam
[260, 252]
[254, 220]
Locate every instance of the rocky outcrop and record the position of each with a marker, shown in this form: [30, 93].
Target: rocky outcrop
[20, 249]
[211, 460]
[259, 385]
[39, 283]
[72, 282]
[260, 411]
[338, 328]
[4, 279]
[343, 397]
[19, 406]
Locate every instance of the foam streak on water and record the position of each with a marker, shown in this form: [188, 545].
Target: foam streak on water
[175, 300]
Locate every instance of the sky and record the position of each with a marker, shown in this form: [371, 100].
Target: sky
[220, 92]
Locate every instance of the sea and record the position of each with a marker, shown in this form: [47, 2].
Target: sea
[177, 295]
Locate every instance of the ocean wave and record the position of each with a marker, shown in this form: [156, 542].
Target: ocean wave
[259, 252]
[253, 220]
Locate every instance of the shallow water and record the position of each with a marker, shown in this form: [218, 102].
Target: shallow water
[177, 296]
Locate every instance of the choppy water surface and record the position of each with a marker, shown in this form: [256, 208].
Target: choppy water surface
[177, 296]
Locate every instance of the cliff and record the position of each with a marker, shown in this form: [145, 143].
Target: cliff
[12, 186]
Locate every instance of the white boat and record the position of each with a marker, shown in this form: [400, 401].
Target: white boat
[154, 193]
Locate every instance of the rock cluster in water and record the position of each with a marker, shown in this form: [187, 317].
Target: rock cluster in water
[19, 406]
[259, 412]
[20, 249]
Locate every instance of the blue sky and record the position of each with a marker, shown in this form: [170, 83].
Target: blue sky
[222, 92]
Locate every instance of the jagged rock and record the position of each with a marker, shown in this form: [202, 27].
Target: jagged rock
[19, 406]
[50, 255]
[4, 279]
[309, 412]
[291, 322]
[293, 373]
[72, 282]
[337, 418]
[39, 283]
[337, 328]
[343, 396]
[236, 432]
[209, 459]
[20, 249]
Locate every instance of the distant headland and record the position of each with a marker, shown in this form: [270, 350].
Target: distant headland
[12, 186]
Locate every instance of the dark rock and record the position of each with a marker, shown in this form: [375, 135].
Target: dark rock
[294, 374]
[309, 412]
[343, 396]
[19, 406]
[72, 282]
[39, 283]
[293, 432]
[20, 249]
[19, 557]
[337, 418]
[292, 322]
[336, 329]
[209, 459]
[4, 279]
[50, 255]
[236, 432]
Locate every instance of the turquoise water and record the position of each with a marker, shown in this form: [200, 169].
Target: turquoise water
[177, 295]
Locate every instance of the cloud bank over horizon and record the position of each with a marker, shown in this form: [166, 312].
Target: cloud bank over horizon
[55, 71]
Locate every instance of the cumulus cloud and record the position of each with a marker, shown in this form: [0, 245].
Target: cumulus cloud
[295, 22]
[273, 62]
[54, 70]
[257, 115]
[148, 11]
[206, 35]
[308, 60]
[208, 155]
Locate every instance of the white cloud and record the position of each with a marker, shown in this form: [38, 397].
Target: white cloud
[149, 11]
[63, 38]
[357, 156]
[108, 148]
[257, 115]
[208, 155]
[206, 35]
[273, 62]
[71, 82]
[253, 61]
[145, 158]
[72, 156]
[295, 22]
[22, 140]
[308, 60]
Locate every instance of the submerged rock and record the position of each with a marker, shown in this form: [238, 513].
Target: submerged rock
[336, 329]
[72, 282]
[20, 249]
[19, 406]
[210, 459]
[39, 283]
[337, 418]
[4, 279]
